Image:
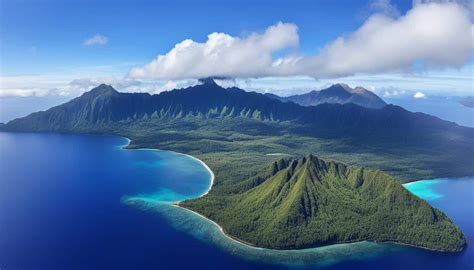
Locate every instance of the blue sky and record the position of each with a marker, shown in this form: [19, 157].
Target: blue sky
[43, 47]
[138, 30]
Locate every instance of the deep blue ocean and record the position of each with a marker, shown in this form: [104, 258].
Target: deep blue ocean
[82, 202]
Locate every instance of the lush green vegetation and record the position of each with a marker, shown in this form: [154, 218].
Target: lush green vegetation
[310, 202]
[233, 131]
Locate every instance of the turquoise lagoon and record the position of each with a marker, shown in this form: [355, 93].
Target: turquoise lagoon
[82, 202]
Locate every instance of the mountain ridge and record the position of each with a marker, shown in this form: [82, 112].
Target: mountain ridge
[337, 93]
[233, 130]
[297, 204]
[209, 118]
[104, 104]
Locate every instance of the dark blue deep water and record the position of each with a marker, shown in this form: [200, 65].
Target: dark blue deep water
[81, 202]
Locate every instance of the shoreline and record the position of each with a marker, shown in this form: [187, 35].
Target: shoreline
[252, 246]
[213, 177]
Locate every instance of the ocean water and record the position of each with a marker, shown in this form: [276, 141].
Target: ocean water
[82, 202]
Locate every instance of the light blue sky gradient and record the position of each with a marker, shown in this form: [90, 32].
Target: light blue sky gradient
[42, 43]
[139, 30]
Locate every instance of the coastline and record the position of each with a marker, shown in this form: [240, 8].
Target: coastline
[252, 246]
[176, 204]
[125, 147]
[213, 177]
[236, 240]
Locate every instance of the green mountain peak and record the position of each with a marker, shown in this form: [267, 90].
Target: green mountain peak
[311, 202]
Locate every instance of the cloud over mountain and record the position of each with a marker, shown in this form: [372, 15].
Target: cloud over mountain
[430, 35]
[221, 55]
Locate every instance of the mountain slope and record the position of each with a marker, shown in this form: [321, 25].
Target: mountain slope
[337, 93]
[311, 202]
[210, 119]
[104, 105]
[233, 130]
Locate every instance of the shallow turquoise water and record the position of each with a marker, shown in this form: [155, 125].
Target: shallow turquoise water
[81, 202]
[425, 189]
[360, 255]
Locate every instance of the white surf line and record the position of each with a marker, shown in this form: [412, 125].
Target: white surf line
[176, 203]
[221, 229]
[213, 177]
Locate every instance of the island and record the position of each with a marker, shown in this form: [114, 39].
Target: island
[350, 192]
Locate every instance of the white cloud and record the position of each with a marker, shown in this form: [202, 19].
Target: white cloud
[434, 35]
[419, 95]
[379, 53]
[467, 4]
[170, 85]
[384, 7]
[221, 55]
[96, 40]
[85, 84]
[389, 93]
[29, 92]
[45, 85]
[29, 85]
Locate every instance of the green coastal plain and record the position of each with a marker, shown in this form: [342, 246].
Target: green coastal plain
[340, 180]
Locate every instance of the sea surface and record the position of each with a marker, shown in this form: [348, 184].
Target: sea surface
[82, 202]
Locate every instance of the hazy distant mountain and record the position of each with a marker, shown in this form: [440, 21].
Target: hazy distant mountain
[467, 101]
[337, 93]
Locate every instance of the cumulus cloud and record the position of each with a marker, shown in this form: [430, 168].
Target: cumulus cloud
[221, 55]
[433, 35]
[419, 95]
[96, 40]
[430, 35]
[466, 3]
[384, 7]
